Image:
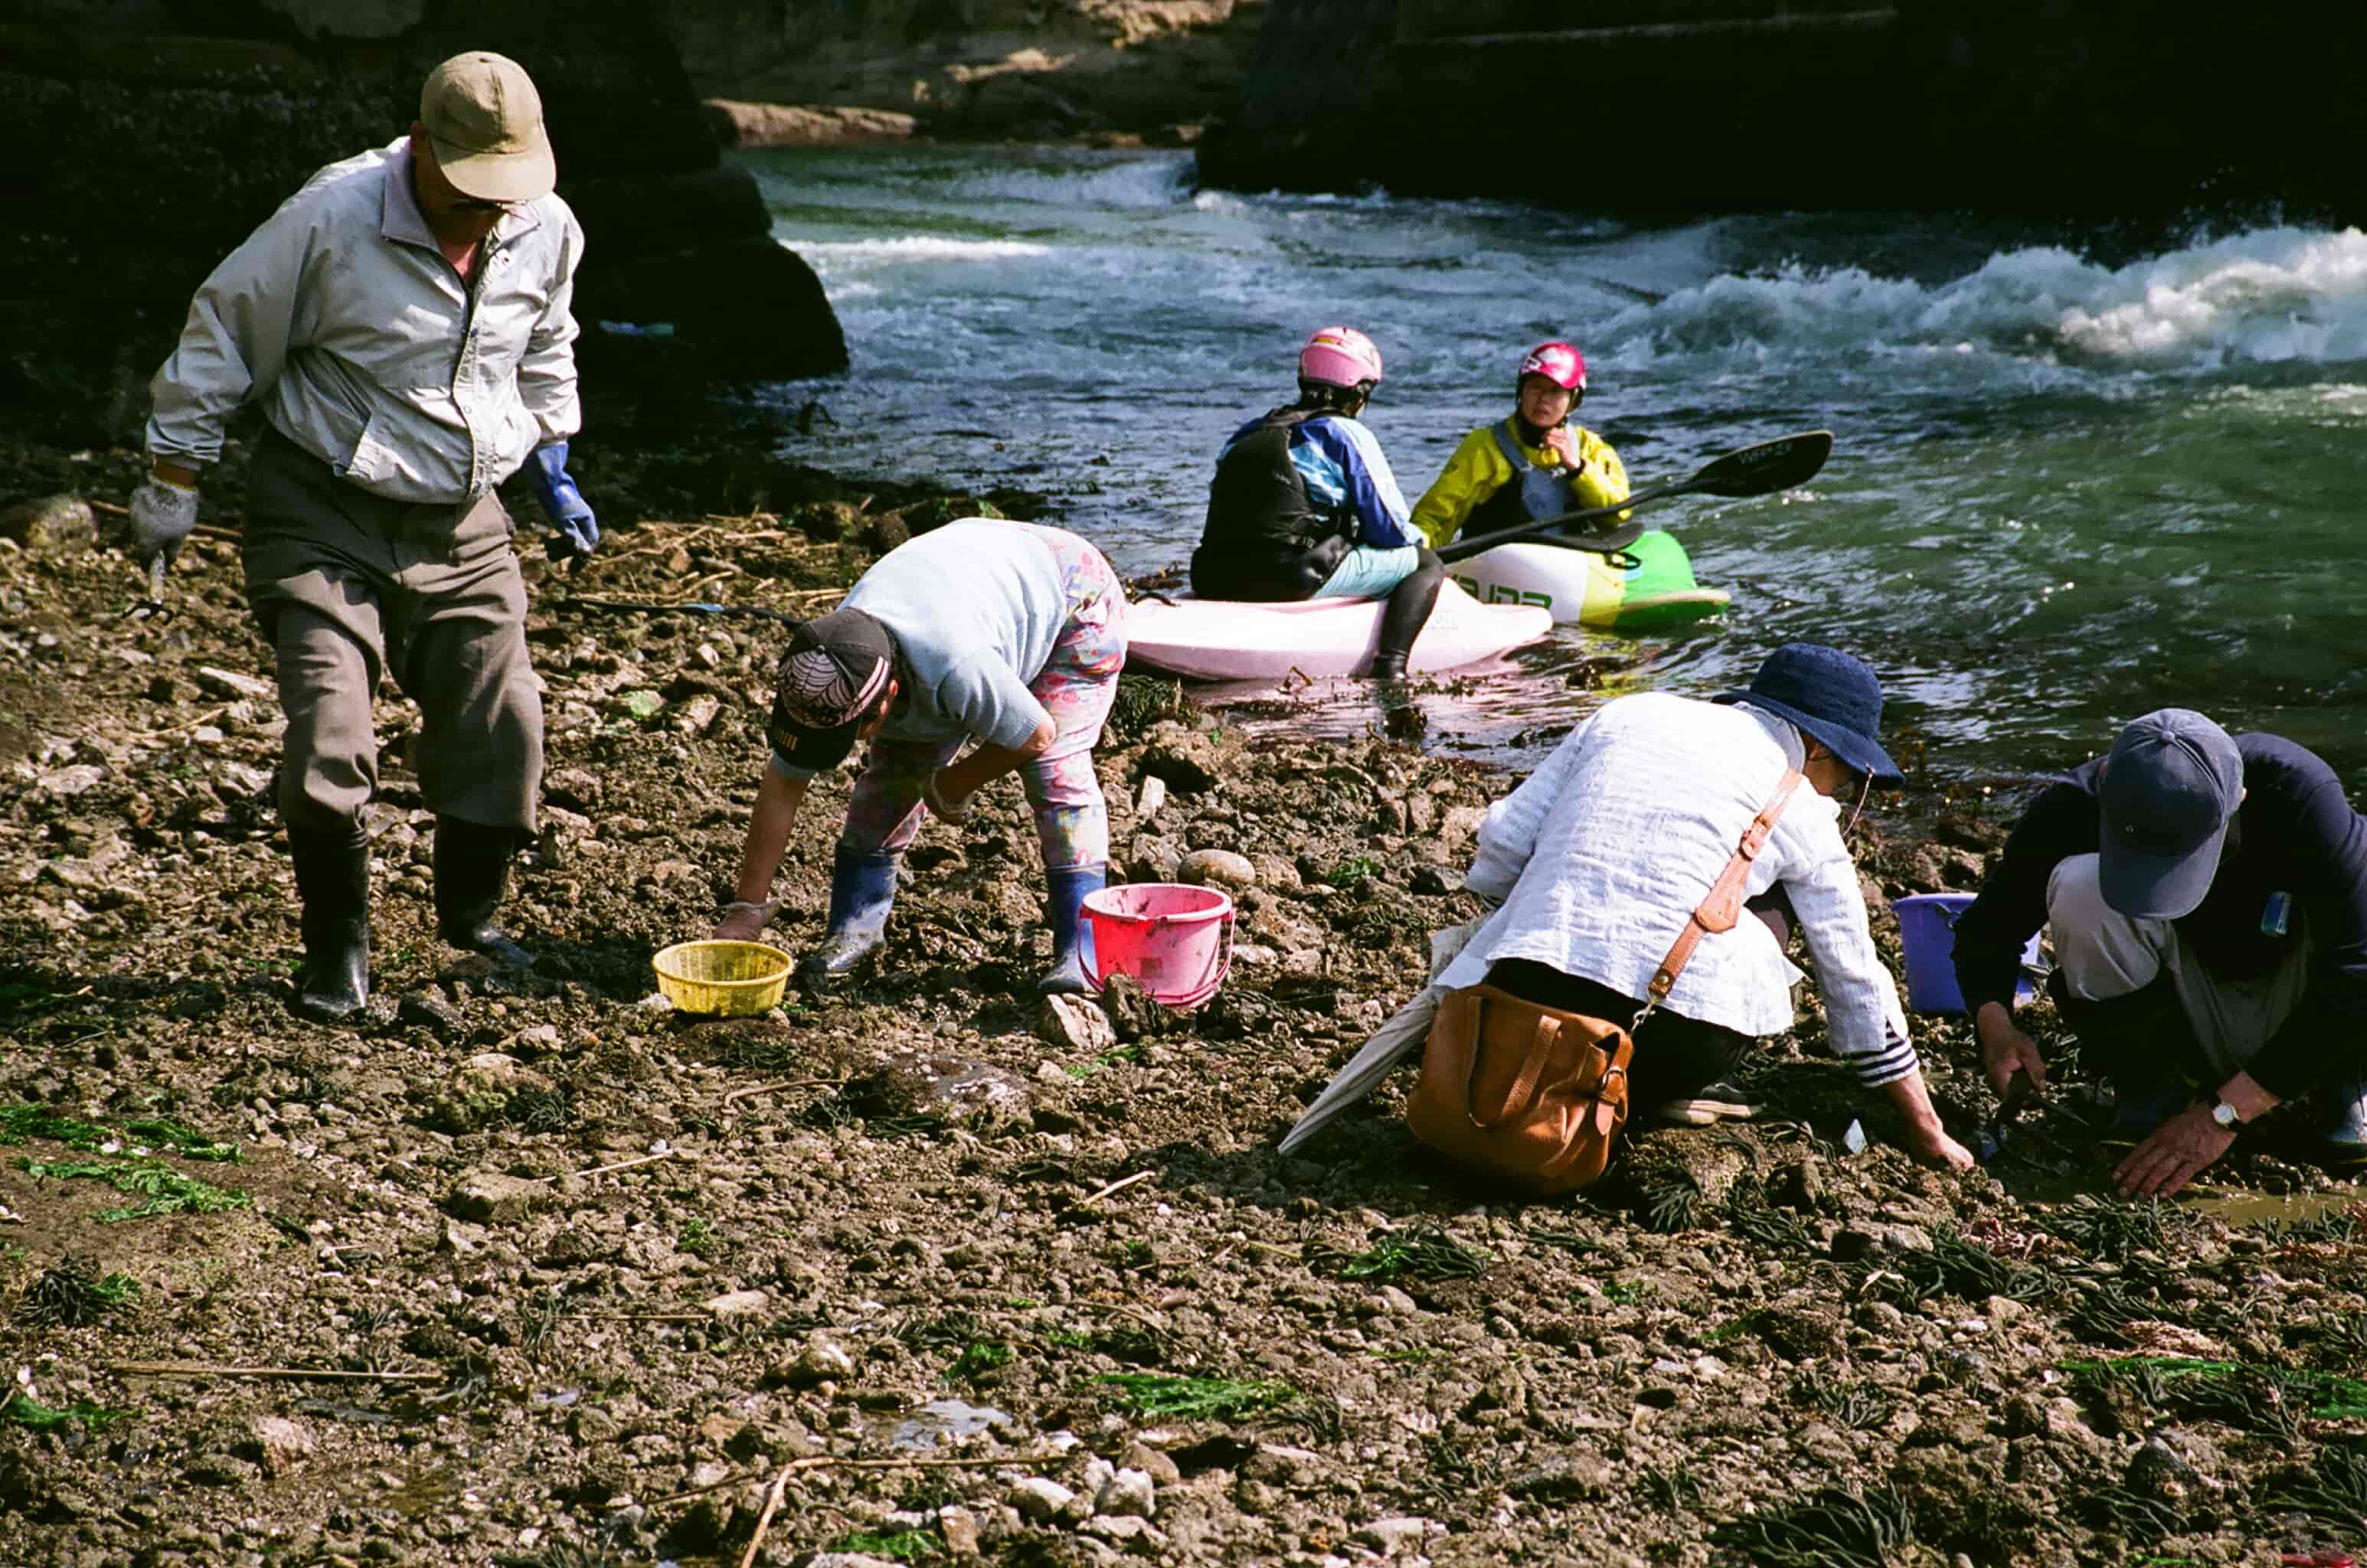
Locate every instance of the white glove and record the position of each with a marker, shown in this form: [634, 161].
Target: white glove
[162, 515]
[948, 809]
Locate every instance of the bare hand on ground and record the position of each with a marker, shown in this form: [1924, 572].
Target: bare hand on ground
[2005, 1048]
[1933, 1145]
[744, 922]
[2168, 1159]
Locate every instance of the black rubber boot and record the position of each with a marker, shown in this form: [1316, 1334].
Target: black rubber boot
[473, 872]
[862, 891]
[1409, 611]
[333, 881]
[2143, 1045]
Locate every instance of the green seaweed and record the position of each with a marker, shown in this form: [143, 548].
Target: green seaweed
[1423, 1250]
[23, 1410]
[167, 1190]
[1165, 1396]
[71, 1293]
[31, 1119]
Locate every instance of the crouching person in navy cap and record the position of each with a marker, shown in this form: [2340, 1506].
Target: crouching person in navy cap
[2208, 899]
[1596, 861]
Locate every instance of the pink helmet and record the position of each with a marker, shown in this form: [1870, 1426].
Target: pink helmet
[1340, 357]
[1559, 363]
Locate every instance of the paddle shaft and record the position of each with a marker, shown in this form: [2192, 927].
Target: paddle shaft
[1753, 470]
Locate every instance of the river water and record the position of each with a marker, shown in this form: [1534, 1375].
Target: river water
[2072, 481]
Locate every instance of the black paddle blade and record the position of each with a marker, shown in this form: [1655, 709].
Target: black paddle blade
[1769, 467]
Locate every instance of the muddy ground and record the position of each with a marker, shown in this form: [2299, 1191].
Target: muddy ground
[556, 1279]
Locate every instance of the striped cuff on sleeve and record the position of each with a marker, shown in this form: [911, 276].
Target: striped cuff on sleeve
[1894, 1061]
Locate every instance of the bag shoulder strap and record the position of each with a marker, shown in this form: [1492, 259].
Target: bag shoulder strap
[1723, 908]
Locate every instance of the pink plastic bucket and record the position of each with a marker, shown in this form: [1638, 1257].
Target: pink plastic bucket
[1174, 940]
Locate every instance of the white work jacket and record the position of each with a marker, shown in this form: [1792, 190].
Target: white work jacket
[1602, 855]
[367, 349]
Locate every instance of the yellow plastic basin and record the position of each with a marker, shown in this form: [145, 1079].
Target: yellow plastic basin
[732, 979]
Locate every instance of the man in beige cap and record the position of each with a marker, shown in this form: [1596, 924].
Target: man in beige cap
[402, 319]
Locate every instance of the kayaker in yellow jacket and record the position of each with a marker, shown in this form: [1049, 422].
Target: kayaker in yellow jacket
[1561, 466]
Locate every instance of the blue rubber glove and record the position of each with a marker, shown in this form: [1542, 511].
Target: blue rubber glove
[579, 531]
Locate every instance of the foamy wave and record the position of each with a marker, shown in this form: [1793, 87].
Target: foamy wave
[2271, 296]
[825, 253]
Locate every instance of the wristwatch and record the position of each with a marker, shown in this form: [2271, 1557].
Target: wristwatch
[2224, 1114]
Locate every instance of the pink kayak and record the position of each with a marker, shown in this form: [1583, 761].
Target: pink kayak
[1221, 640]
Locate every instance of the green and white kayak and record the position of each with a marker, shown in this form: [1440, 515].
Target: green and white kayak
[1581, 588]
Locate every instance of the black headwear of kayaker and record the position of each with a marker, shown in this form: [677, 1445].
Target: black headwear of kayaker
[835, 679]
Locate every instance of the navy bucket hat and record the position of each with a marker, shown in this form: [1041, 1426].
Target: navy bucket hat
[1830, 695]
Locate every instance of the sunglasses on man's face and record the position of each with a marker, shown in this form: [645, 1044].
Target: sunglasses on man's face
[477, 206]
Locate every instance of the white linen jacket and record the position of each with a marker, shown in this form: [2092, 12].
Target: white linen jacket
[367, 349]
[1602, 853]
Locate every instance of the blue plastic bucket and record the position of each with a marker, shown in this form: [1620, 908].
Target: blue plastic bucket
[1927, 926]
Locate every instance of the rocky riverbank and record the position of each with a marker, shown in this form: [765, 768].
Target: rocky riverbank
[1114, 72]
[543, 1275]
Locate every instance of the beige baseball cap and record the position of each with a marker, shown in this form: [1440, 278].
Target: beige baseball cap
[484, 123]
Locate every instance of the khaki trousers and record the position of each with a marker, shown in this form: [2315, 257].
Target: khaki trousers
[2104, 953]
[346, 584]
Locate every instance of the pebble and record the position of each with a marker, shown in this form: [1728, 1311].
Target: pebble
[1040, 1498]
[1075, 1024]
[821, 1360]
[959, 1527]
[278, 1444]
[738, 1303]
[230, 684]
[1395, 1537]
[1217, 868]
[489, 1196]
[1128, 1494]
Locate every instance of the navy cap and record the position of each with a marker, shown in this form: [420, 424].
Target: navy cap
[2171, 785]
[1830, 695]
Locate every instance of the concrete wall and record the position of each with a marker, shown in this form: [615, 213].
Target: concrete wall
[2139, 108]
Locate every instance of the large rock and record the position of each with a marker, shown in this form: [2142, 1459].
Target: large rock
[112, 126]
[53, 524]
[805, 125]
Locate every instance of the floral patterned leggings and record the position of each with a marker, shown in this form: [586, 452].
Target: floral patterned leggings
[1076, 687]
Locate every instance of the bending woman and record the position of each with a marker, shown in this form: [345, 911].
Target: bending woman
[1009, 634]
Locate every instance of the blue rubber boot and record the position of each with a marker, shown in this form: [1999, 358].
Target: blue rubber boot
[1071, 936]
[862, 891]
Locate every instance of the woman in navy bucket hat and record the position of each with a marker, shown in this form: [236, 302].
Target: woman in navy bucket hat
[1596, 864]
[1830, 695]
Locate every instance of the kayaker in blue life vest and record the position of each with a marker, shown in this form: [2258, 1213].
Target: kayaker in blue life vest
[1538, 463]
[1305, 506]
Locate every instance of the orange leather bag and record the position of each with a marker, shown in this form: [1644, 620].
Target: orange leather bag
[1533, 1095]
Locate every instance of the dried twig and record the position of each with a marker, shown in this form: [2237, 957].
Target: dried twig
[626, 1164]
[1118, 1186]
[757, 1088]
[764, 1520]
[824, 1461]
[202, 720]
[213, 1369]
